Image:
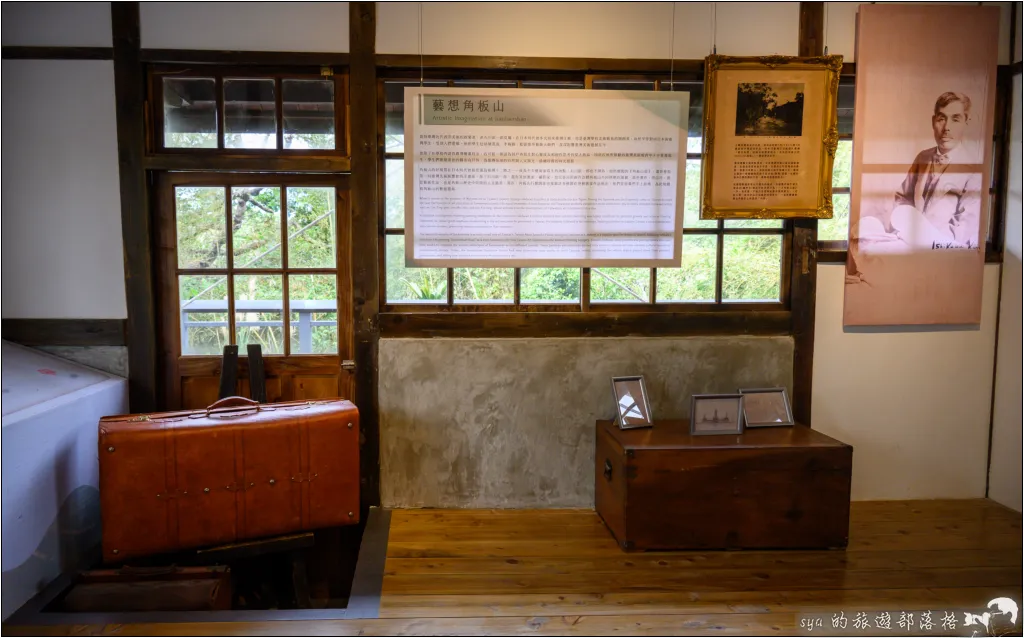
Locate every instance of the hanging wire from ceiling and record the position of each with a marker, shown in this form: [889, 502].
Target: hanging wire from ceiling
[672, 51]
[420, 40]
[714, 28]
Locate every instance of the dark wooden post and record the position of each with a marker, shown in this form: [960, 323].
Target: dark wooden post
[136, 231]
[804, 267]
[365, 286]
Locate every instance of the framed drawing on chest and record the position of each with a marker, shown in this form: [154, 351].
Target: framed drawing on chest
[716, 414]
[766, 407]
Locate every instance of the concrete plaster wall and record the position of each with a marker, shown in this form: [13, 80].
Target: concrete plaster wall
[509, 423]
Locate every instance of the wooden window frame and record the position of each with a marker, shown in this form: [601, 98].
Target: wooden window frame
[585, 305]
[166, 229]
[159, 157]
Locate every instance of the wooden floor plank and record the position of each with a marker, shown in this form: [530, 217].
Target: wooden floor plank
[658, 562]
[699, 580]
[575, 625]
[446, 606]
[559, 572]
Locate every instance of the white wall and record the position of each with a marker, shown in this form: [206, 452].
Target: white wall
[245, 26]
[587, 29]
[841, 28]
[913, 403]
[68, 24]
[61, 211]
[1005, 476]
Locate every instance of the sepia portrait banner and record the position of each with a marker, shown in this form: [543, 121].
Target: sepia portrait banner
[922, 152]
[544, 177]
[770, 136]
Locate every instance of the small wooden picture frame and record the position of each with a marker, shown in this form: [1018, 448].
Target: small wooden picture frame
[766, 407]
[716, 414]
[632, 408]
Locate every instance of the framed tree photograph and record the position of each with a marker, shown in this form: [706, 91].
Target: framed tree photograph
[770, 136]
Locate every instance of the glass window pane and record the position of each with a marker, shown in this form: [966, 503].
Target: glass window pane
[546, 285]
[259, 312]
[250, 114]
[312, 227]
[753, 223]
[256, 226]
[190, 113]
[837, 228]
[308, 109]
[394, 113]
[314, 314]
[752, 268]
[691, 199]
[394, 187]
[204, 314]
[991, 218]
[484, 285]
[842, 167]
[552, 84]
[623, 85]
[412, 285]
[620, 284]
[694, 280]
[844, 107]
[695, 122]
[202, 227]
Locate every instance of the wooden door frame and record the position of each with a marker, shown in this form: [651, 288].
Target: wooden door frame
[172, 364]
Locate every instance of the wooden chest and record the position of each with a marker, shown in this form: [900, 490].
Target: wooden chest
[238, 470]
[661, 488]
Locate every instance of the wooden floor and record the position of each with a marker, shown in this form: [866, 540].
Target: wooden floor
[468, 572]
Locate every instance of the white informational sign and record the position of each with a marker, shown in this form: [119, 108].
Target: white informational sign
[539, 177]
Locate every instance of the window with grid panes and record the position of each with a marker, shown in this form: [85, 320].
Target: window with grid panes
[730, 262]
[257, 263]
[231, 111]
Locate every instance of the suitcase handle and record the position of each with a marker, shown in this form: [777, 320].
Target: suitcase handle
[232, 402]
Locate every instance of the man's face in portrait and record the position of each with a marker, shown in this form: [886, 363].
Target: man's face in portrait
[948, 125]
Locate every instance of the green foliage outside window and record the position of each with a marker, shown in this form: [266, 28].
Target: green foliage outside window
[838, 227]
[255, 219]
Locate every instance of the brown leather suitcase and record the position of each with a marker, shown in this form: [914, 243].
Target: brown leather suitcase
[237, 470]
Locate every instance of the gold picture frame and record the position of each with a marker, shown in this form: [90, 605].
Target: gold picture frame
[811, 128]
